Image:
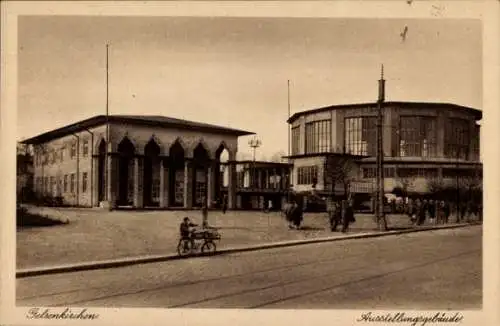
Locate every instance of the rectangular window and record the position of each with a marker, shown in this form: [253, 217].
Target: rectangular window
[361, 136]
[72, 183]
[84, 181]
[85, 148]
[307, 175]
[59, 185]
[155, 183]
[457, 139]
[369, 173]
[65, 186]
[52, 185]
[475, 143]
[179, 187]
[417, 173]
[318, 135]
[73, 150]
[417, 136]
[62, 154]
[296, 140]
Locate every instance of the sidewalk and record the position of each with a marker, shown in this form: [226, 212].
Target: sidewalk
[94, 235]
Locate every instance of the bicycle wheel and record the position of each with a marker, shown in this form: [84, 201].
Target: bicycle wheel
[208, 247]
[184, 247]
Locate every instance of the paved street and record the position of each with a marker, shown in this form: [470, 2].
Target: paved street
[94, 234]
[425, 270]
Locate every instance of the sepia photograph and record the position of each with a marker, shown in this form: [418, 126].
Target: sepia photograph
[251, 162]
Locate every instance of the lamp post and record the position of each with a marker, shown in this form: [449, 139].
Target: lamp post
[254, 143]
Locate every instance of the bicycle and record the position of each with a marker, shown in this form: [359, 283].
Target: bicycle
[203, 240]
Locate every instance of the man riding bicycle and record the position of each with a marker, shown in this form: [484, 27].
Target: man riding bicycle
[186, 230]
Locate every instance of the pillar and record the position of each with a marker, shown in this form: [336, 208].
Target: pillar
[94, 181]
[282, 180]
[231, 187]
[210, 188]
[112, 180]
[164, 179]
[238, 201]
[138, 183]
[266, 180]
[275, 177]
[188, 184]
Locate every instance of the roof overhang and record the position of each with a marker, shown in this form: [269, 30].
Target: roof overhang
[102, 120]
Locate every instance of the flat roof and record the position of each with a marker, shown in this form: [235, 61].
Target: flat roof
[261, 163]
[477, 113]
[145, 120]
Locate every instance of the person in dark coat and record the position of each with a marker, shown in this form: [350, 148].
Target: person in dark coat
[446, 211]
[421, 213]
[347, 215]
[431, 209]
[224, 204]
[335, 216]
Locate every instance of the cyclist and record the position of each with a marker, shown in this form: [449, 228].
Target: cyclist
[186, 231]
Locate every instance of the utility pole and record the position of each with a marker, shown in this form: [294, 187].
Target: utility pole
[379, 211]
[288, 182]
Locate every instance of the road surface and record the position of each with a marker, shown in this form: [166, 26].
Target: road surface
[425, 270]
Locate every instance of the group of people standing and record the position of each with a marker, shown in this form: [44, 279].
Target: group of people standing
[340, 212]
[439, 212]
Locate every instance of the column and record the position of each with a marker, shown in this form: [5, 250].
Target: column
[138, 183]
[95, 181]
[259, 179]
[188, 184]
[282, 180]
[275, 177]
[231, 187]
[266, 180]
[238, 201]
[112, 181]
[164, 181]
[210, 189]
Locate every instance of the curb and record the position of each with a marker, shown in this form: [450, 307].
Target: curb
[162, 258]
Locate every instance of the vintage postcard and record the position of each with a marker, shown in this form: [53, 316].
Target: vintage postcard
[287, 162]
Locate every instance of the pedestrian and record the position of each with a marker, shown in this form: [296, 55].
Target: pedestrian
[446, 211]
[224, 204]
[335, 216]
[204, 212]
[347, 215]
[431, 209]
[422, 209]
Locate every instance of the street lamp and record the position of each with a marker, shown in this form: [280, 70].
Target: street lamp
[254, 143]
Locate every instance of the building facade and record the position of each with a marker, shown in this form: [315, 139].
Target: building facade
[335, 147]
[259, 185]
[149, 161]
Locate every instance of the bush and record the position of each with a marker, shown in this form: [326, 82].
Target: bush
[26, 219]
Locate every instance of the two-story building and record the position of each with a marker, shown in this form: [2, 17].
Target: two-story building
[422, 142]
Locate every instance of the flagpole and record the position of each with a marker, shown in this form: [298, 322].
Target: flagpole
[288, 88]
[106, 158]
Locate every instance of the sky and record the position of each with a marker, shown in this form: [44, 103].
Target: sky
[233, 71]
